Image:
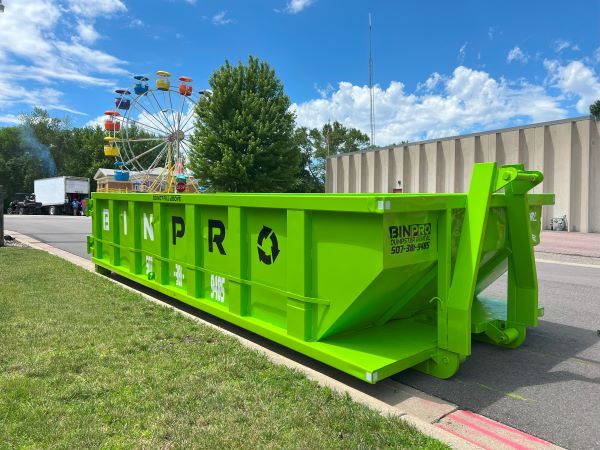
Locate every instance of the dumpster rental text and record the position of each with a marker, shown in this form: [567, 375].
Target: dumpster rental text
[409, 238]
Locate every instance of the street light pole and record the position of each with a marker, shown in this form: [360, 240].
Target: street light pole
[1, 211]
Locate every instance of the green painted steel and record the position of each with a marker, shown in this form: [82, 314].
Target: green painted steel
[371, 284]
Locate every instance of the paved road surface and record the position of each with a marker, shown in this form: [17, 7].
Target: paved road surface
[65, 232]
[550, 387]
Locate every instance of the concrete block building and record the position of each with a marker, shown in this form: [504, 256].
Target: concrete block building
[566, 151]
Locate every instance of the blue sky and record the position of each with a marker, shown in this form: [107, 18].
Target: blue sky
[441, 68]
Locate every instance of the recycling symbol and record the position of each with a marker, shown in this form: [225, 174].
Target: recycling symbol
[267, 258]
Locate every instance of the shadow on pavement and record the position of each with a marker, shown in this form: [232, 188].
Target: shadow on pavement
[501, 372]
[549, 387]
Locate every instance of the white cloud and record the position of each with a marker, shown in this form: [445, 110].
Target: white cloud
[46, 75]
[10, 118]
[559, 45]
[136, 23]
[516, 54]
[468, 100]
[49, 98]
[96, 8]
[295, 6]
[25, 28]
[35, 60]
[93, 60]
[431, 83]
[98, 121]
[219, 19]
[462, 52]
[575, 80]
[87, 32]
[324, 92]
[492, 32]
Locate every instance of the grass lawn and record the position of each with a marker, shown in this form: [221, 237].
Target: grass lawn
[87, 364]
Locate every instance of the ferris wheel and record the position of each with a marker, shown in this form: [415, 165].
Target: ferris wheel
[148, 134]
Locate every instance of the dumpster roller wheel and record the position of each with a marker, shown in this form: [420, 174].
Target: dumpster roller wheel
[518, 340]
[510, 337]
[443, 365]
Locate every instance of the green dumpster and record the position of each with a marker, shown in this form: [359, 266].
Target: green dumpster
[371, 284]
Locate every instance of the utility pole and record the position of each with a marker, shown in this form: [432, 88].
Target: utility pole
[371, 94]
[1, 215]
[328, 138]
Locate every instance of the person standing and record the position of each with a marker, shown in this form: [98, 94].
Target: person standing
[83, 206]
[75, 206]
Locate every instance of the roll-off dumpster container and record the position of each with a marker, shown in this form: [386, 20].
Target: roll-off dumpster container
[371, 284]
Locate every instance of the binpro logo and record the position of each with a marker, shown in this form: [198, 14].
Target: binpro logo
[414, 230]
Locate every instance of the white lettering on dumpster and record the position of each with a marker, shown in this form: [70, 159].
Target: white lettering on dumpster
[148, 264]
[105, 220]
[148, 229]
[179, 276]
[217, 286]
[125, 223]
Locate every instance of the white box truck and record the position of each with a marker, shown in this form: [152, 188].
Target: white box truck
[56, 194]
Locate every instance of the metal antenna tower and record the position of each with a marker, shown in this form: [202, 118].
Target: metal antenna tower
[371, 93]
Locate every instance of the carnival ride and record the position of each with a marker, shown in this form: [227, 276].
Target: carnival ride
[148, 134]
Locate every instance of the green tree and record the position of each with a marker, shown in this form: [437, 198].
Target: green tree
[47, 138]
[595, 109]
[244, 136]
[86, 153]
[20, 163]
[61, 149]
[317, 144]
[308, 178]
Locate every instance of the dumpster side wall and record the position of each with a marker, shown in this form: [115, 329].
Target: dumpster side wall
[295, 270]
[311, 274]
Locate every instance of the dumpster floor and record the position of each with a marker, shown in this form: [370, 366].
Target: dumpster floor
[386, 349]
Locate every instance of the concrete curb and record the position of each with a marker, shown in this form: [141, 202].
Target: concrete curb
[430, 415]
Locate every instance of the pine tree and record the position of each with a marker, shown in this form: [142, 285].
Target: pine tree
[244, 136]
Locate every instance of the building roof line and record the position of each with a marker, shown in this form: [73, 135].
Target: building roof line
[462, 136]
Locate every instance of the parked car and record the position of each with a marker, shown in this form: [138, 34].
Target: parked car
[24, 204]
